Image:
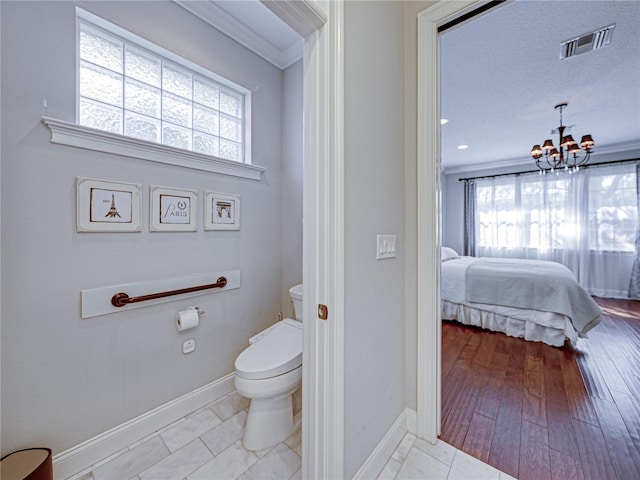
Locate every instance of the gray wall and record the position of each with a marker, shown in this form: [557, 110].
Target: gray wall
[65, 379]
[374, 189]
[292, 168]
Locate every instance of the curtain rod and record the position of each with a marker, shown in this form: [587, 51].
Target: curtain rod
[604, 164]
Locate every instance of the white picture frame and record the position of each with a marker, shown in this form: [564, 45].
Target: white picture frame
[221, 211]
[107, 206]
[172, 210]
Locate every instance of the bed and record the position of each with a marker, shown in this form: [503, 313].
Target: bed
[532, 299]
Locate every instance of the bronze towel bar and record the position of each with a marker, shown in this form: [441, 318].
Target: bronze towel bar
[121, 299]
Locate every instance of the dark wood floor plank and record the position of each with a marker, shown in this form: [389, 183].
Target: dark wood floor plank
[456, 425]
[612, 377]
[534, 407]
[465, 360]
[562, 438]
[505, 447]
[534, 452]
[454, 344]
[560, 413]
[478, 440]
[564, 467]
[451, 386]
[629, 409]
[579, 401]
[489, 398]
[622, 450]
[592, 377]
[457, 412]
[594, 454]
[486, 349]
[633, 382]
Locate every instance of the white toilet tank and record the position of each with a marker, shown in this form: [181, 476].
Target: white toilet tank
[295, 293]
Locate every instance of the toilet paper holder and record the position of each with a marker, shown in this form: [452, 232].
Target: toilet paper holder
[186, 319]
[197, 309]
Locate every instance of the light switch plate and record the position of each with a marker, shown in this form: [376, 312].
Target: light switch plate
[386, 246]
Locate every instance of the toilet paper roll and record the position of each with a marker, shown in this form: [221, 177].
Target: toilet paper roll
[187, 319]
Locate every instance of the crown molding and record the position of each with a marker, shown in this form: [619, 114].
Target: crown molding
[303, 16]
[219, 19]
[292, 54]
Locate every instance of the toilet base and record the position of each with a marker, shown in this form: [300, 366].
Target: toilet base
[269, 422]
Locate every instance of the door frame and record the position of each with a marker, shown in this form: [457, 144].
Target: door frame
[321, 26]
[429, 369]
[323, 248]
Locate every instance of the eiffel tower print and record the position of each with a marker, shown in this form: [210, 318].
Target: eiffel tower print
[113, 211]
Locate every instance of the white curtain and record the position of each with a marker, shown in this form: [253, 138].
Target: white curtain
[634, 281]
[586, 221]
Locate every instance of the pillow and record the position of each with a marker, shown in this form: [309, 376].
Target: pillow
[448, 254]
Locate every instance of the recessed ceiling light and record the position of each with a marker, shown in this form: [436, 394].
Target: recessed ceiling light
[463, 147]
[443, 121]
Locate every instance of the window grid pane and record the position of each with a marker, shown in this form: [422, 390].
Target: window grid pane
[542, 213]
[142, 66]
[613, 212]
[100, 49]
[100, 84]
[142, 98]
[98, 115]
[125, 89]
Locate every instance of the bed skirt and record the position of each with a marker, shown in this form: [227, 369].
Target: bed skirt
[513, 327]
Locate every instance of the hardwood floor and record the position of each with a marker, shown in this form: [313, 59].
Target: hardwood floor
[541, 412]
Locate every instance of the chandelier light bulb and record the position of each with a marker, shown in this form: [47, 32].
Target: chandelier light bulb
[568, 156]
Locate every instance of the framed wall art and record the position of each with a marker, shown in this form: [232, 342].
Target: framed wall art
[106, 206]
[172, 210]
[221, 211]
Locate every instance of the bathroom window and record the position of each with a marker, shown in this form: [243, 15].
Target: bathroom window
[130, 87]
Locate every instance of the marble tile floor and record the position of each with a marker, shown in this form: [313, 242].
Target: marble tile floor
[207, 445]
[417, 459]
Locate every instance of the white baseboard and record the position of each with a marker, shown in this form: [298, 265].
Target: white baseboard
[412, 421]
[373, 465]
[91, 451]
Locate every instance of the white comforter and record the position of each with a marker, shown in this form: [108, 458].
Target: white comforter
[550, 328]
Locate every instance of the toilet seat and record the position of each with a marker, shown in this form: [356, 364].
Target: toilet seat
[278, 352]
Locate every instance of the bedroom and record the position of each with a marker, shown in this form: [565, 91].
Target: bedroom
[498, 98]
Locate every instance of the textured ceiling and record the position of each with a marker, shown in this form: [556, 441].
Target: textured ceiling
[501, 74]
[501, 77]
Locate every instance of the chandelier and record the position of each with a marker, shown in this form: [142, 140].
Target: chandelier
[569, 156]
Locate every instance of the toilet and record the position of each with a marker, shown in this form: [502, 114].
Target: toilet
[268, 371]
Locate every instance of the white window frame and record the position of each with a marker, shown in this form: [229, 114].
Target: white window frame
[73, 134]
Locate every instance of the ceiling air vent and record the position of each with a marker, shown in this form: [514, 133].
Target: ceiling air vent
[587, 42]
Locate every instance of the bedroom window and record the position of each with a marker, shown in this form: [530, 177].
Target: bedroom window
[597, 208]
[130, 87]
[612, 211]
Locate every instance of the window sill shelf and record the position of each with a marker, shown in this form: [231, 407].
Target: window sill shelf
[70, 134]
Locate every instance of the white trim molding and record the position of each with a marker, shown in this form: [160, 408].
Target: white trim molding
[374, 464]
[82, 456]
[305, 17]
[219, 19]
[428, 221]
[323, 247]
[73, 135]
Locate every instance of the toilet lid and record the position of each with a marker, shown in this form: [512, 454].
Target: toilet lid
[276, 353]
